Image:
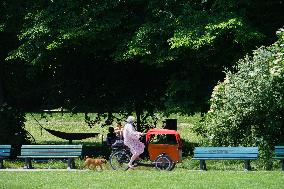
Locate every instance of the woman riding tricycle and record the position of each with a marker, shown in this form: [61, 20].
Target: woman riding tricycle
[164, 149]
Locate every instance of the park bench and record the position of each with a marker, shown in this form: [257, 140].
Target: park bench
[279, 155]
[225, 153]
[29, 152]
[5, 152]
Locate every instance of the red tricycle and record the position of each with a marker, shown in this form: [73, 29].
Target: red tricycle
[164, 149]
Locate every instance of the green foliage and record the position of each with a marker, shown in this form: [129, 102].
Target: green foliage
[53, 25]
[173, 30]
[155, 39]
[199, 33]
[247, 108]
[12, 126]
[76, 45]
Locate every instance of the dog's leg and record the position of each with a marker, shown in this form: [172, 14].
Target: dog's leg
[86, 165]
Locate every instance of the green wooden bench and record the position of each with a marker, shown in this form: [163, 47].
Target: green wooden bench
[225, 153]
[279, 155]
[29, 152]
[5, 152]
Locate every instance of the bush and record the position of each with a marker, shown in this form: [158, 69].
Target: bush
[12, 126]
[247, 108]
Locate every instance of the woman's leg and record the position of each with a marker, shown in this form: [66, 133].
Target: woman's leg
[137, 149]
[133, 157]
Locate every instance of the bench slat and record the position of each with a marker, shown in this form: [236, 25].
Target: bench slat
[279, 151]
[226, 156]
[52, 146]
[48, 157]
[5, 151]
[59, 154]
[5, 146]
[5, 154]
[51, 150]
[225, 153]
[218, 150]
[206, 158]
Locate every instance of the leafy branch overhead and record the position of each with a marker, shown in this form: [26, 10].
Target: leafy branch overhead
[175, 51]
[153, 32]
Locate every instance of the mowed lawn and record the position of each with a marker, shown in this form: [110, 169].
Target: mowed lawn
[140, 179]
[53, 175]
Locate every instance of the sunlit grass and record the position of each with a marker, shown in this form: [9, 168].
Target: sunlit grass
[66, 122]
[75, 123]
[141, 179]
[53, 174]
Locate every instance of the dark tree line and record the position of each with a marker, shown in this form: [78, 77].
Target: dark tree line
[126, 56]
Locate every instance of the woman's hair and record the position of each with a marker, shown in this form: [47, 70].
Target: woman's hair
[130, 119]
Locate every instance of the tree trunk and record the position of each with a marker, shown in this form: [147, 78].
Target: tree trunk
[1, 93]
[138, 116]
[1, 83]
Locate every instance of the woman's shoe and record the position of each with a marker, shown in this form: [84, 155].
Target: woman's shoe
[130, 167]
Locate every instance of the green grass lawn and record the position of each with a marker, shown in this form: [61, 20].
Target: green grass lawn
[53, 174]
[141, 179]
[68, 122]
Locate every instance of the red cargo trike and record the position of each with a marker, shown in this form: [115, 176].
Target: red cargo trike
[164, 150]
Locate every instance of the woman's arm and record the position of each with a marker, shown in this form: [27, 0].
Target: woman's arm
[133, 132]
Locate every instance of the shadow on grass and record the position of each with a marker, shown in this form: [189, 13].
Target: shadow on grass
[188, 148]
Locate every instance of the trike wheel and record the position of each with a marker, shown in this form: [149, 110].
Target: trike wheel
[119, 160]
[164, 162]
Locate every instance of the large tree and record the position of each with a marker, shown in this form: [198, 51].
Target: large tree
[175, 51]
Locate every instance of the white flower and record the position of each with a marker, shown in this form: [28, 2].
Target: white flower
[276, 71]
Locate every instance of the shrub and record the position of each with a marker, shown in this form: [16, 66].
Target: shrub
[247, 108]
[12, 126]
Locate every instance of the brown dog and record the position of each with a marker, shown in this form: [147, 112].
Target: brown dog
[93, 163]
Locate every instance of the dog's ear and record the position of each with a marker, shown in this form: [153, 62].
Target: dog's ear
[86, 157]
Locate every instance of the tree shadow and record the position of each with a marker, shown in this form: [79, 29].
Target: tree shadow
[188, 148]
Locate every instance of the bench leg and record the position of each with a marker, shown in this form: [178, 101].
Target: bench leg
[282, 164]
[1, 164]
[71, 163]
[203, 165]
[28, 163]
[247, 165]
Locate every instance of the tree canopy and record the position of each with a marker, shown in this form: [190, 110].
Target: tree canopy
[127, 55]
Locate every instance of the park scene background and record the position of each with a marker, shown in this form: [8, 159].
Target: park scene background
[81, 66]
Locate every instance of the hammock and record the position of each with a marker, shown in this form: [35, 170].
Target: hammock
[67, 136]
[71, 136]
